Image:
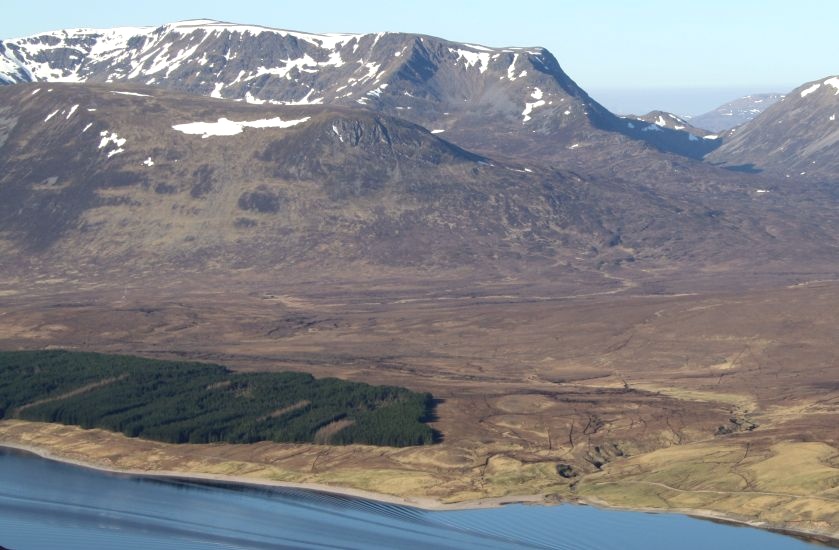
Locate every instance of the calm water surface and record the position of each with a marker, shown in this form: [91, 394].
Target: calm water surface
[46, 504]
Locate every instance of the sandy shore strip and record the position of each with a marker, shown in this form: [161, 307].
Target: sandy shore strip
[423, 503]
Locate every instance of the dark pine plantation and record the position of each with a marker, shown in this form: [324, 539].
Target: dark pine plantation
[188, 402]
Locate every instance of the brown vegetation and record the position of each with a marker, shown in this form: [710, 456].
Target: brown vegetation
[674, 401]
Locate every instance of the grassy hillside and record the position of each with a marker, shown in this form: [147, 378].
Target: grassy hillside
[184, 402]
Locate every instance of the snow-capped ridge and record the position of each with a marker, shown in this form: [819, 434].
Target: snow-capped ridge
[521, 87]
[822, 84]
[132, 52]
[322, 40]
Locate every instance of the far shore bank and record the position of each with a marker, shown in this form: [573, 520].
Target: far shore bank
[423, 503]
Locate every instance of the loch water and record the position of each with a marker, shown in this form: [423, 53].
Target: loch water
[50, 505]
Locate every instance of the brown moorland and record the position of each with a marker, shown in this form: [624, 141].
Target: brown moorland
[718, 403]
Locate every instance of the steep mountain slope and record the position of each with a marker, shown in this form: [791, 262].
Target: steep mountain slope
[735, 113]
[102, 177]
[798, 137]
[494, 99]
[96, 174]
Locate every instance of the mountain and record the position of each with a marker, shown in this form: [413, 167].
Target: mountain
[93, 174]
[663, 119]
[216, 146]
[735, 113]
[112, 177]
[797, 137]
[511, 100]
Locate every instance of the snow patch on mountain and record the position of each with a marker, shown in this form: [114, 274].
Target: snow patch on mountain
[809, 90]
[110, 139]
[377, 91]
[131, 93]
[473, 59]
[511, 70]
[372, 72]
[305, 64]
[529, 106]
[226, 127]
[337, 133]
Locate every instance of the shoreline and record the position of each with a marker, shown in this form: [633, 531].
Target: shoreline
[422, 503]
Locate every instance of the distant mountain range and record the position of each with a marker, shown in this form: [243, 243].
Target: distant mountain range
[735, 113]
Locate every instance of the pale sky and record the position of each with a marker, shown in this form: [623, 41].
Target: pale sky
[685, 56]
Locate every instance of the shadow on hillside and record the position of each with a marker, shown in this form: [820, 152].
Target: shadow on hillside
[431, 416]
[745, 168]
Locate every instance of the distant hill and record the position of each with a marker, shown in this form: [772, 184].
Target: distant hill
[735, 113]
[663, 119]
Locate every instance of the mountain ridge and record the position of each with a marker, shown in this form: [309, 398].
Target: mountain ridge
[663, 119]
[132, 177]
[795, 138]
[376, 179]
[467, 90]
[735, 113]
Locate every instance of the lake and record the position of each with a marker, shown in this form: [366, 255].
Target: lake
[47, 504]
